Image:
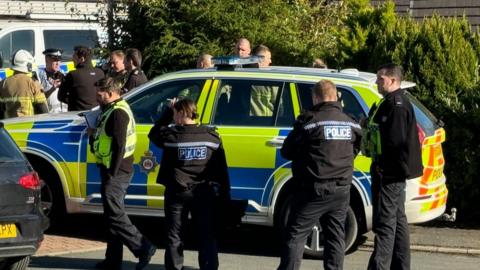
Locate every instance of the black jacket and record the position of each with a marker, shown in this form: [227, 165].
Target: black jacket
[401, 151]
[135, 78]
[323, 145]
[79, 90]
[192, 154]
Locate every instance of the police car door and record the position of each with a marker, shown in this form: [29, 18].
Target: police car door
[147, 104]
[248, 114]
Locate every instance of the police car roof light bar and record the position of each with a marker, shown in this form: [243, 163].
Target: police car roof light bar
[232, 62]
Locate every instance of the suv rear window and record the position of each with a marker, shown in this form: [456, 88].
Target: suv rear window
[9, 151]
[425, 118]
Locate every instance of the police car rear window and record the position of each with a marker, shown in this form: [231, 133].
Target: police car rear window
[425, 118]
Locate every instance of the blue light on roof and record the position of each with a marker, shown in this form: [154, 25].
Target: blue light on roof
[236, 60]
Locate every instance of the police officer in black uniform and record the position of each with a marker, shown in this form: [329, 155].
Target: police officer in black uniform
[133, 63]
[194, 171]
[322, 147]
[391, 139]
[113, 145]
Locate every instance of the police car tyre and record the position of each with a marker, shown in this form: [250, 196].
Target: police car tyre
[16, 263]
[314, 245]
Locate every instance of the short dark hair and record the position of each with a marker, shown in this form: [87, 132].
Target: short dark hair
[187, 106]
[134, 55]
[392, 70]
[83, 51]
[110, 84]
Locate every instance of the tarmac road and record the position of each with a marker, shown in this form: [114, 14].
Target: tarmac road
[237, 261]
[252, 247]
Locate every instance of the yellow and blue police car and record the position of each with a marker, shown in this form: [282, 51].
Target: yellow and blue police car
[252, 126]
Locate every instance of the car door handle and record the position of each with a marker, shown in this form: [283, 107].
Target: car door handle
[276, 142]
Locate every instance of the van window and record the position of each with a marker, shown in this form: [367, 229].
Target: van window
[67, 39]
[14, 41]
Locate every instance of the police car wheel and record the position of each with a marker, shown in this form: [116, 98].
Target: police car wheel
[314, 245]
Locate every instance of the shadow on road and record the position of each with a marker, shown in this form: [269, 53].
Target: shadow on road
[245, 239]
[80, 263]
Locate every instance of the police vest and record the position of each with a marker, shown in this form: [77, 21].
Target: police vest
[371, 142]
[102, 144]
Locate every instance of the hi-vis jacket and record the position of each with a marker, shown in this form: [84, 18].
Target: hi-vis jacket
[393, 137]
[192, 154]
[105, 152]
[20, 95]
[323, 145]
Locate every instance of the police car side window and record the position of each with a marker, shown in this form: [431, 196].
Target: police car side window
[350, 104]
[14, 41]
[248, 103]
[148, 105]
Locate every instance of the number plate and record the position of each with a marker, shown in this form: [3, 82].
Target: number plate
[8, 231]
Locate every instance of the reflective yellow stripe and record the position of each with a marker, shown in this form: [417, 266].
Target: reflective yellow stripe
[211, 98]
[295, 101]
[203, 96]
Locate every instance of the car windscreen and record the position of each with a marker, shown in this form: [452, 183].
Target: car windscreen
[425, 118]
[9, 151]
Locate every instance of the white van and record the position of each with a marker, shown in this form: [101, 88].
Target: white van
[36, 36]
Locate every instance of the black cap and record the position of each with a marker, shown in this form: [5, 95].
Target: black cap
[53, 52]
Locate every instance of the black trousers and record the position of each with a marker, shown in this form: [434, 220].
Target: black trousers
[392, 239]
[121, 231]
[200, 202]
[328, 203]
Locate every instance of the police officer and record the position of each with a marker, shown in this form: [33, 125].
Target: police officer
[133, 63]
[322, 147]
[391, 139]
[51, 77]
[20, 95]
[78, 90]
[117, 66]
[113, 145]
[194, 172]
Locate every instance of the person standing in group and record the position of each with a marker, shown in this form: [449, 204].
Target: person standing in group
[392, 142]
[194, 172]
[51, 77]
[263, 98]
[20, 95]
[319, 63]
[133, 64]
[242, 48]
[78, 90]
[204, 61]
[117, 66]
[113, 144]
[322, 147]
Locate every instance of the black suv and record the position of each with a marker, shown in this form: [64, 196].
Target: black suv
[22, 221]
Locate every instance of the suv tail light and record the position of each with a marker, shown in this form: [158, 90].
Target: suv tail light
[30, 181]
[421, 134]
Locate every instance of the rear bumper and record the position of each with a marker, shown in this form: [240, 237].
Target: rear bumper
[29, 236]
[17, 250]
[427, 205]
